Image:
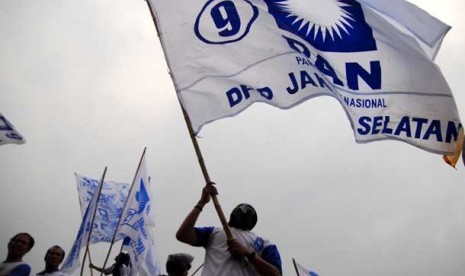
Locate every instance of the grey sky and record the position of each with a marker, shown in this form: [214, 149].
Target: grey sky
[87, 85]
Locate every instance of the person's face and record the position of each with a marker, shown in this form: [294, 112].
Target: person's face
[19, 245]
[54, 256]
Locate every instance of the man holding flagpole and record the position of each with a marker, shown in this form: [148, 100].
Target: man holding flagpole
[245, 254]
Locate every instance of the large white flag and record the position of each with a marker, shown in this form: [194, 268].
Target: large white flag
[374, 56]
[303, 271]
[109, 208]
[72, 261]
[137, 223]
[8, 133]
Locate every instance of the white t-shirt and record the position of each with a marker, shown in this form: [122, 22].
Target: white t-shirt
[6, 268]
[218, 260]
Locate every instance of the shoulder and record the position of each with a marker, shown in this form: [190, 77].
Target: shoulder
[21, 269]
[204, 234]
[270, 254]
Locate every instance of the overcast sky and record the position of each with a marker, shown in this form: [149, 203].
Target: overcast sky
[86, 83]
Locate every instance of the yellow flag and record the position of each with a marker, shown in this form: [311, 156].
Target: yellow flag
[453, 158]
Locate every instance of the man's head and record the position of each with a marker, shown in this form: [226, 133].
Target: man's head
[178, 264]
[123, 258]
[243, 217]
[19, 245]
[54, 256]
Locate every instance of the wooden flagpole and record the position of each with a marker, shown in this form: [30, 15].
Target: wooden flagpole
[295, 266]
[215, 200]
[124, 208]
[92, 220]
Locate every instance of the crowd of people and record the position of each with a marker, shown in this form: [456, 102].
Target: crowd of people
[243, 254]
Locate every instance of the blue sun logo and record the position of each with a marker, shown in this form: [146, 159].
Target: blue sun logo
[328, 25]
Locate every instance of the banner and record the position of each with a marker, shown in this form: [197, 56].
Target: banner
[8, 133]
[109, 208]
[374, 57]
[137, 225]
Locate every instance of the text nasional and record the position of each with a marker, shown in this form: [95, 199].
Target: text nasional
[410, 127]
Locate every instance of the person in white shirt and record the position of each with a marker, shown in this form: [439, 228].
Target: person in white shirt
[53, 258]
[121, 267]
[247, 254]
[18, 246]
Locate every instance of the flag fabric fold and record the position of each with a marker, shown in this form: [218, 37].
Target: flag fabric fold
[375, 58]
[136, 224]
[72, 260]
[109, 208]
[424, 27]
[8, 133]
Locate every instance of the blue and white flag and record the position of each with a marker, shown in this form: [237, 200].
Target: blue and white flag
[151, 265]
[109, 208]
[374, 56]
[72, 260]
[8, 133]
[303, 271]
[137, 223]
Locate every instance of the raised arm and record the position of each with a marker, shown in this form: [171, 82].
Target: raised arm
[186, 232]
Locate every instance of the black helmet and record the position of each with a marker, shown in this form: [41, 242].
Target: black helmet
[243, 217]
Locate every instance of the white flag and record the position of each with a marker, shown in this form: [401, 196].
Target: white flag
[109, 208]
[374, 57]
[136, 222]
[72, 261]
[151, 265]
[8, 133]
[303, 271]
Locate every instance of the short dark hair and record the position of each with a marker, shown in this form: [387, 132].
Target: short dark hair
[31, 239]
[123, 258]
[178, 263]
[56, 246]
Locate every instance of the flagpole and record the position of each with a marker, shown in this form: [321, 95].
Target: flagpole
[295, 266]
[90, 261]
[119, 220]
[203, 167]
[92, 221]
[197, 269]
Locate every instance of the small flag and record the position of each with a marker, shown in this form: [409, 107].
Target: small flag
[301, 270]
[72, 261]
[136, 222]
[110, 205]
[373, 56]
[8, 133]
